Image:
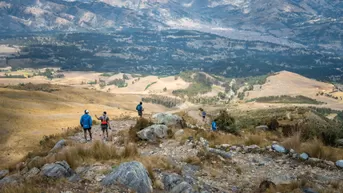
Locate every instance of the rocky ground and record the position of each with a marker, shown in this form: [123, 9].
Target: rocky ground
[189, 165]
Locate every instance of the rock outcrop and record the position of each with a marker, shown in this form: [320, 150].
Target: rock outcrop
[153, 132]
[57, 170]
[59, 145]
[132, 175]
[167, 119]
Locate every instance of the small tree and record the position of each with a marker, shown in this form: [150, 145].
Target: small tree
[226, 123]
[125, 77]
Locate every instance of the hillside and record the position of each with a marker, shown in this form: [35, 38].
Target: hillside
[28, 115]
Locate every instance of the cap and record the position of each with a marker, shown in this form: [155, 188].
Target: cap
[86, 111]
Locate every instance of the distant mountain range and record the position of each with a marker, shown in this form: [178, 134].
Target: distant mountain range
[317, 24]
[244, 36]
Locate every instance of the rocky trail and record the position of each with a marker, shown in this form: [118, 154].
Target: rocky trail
[196, 167]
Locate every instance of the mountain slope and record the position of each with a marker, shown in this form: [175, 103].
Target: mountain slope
[302, 23]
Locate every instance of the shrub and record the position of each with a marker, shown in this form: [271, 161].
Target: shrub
[226, 123]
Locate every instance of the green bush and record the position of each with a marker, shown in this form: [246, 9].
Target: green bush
[120, 83]
[227, 123]
[287, 99]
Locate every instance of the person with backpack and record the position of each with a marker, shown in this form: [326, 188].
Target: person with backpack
[203, 113]
[140, 109]
[214, 125]
[105, 124]
[86, 124]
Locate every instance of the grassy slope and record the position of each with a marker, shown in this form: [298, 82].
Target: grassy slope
[26, 116]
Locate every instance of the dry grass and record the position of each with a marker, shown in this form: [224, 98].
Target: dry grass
[316, 148]
[293, 142]
[78, 154]
[255, 139]
[22, 188]
[193, 160]
[218, 138]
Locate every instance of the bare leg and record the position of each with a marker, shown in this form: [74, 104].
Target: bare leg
[107, 132]
[85, 134]
[90, 134]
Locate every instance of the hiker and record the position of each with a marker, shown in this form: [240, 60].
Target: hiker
[214, 125]
[105, 124]
[140, 109]
[203, 115]
[86, 124]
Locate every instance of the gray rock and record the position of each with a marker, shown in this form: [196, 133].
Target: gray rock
[183, 187]
[179, 133]
[167, 119]
[9, 180]
[251, 148]
[132, 175]
[309, 190]
[339, 163]
[224, 154]
[59, 145]
[171, 180]
[314, 160]
[304, 156]
[279, 148]
[153, 132]
[74, 178]
[33, 172]
[292, 151]
[3, 173]
[57, 170]
[339, 142]
[329, 163]
[262, 127]
[203, 142]
[36, 162]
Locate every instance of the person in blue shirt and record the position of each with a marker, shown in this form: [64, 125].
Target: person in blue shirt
[86, 124]
[140, 109]
[214, 125]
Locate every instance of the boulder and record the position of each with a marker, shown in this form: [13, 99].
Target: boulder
[33, 172]
[167, 119]
[9, 180]
[3, 173]
[203, 142]
[339, 163]
[314, 160]
[339, 142]
[153, 132]
[224, 154]
[262, 127]
[171, 180]
[304, 156]
[57, 170]
[132, 175]
[279, 148]
[36, 162]
[59, 145]
[183, 187]
[309, 190]
[174, 183]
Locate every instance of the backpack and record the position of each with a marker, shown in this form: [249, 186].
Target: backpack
[138, 108]
[104, 120]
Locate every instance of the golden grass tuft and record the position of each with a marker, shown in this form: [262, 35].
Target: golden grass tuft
[316, 148]
[293, 142]
[193, 160]
[254, 139]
